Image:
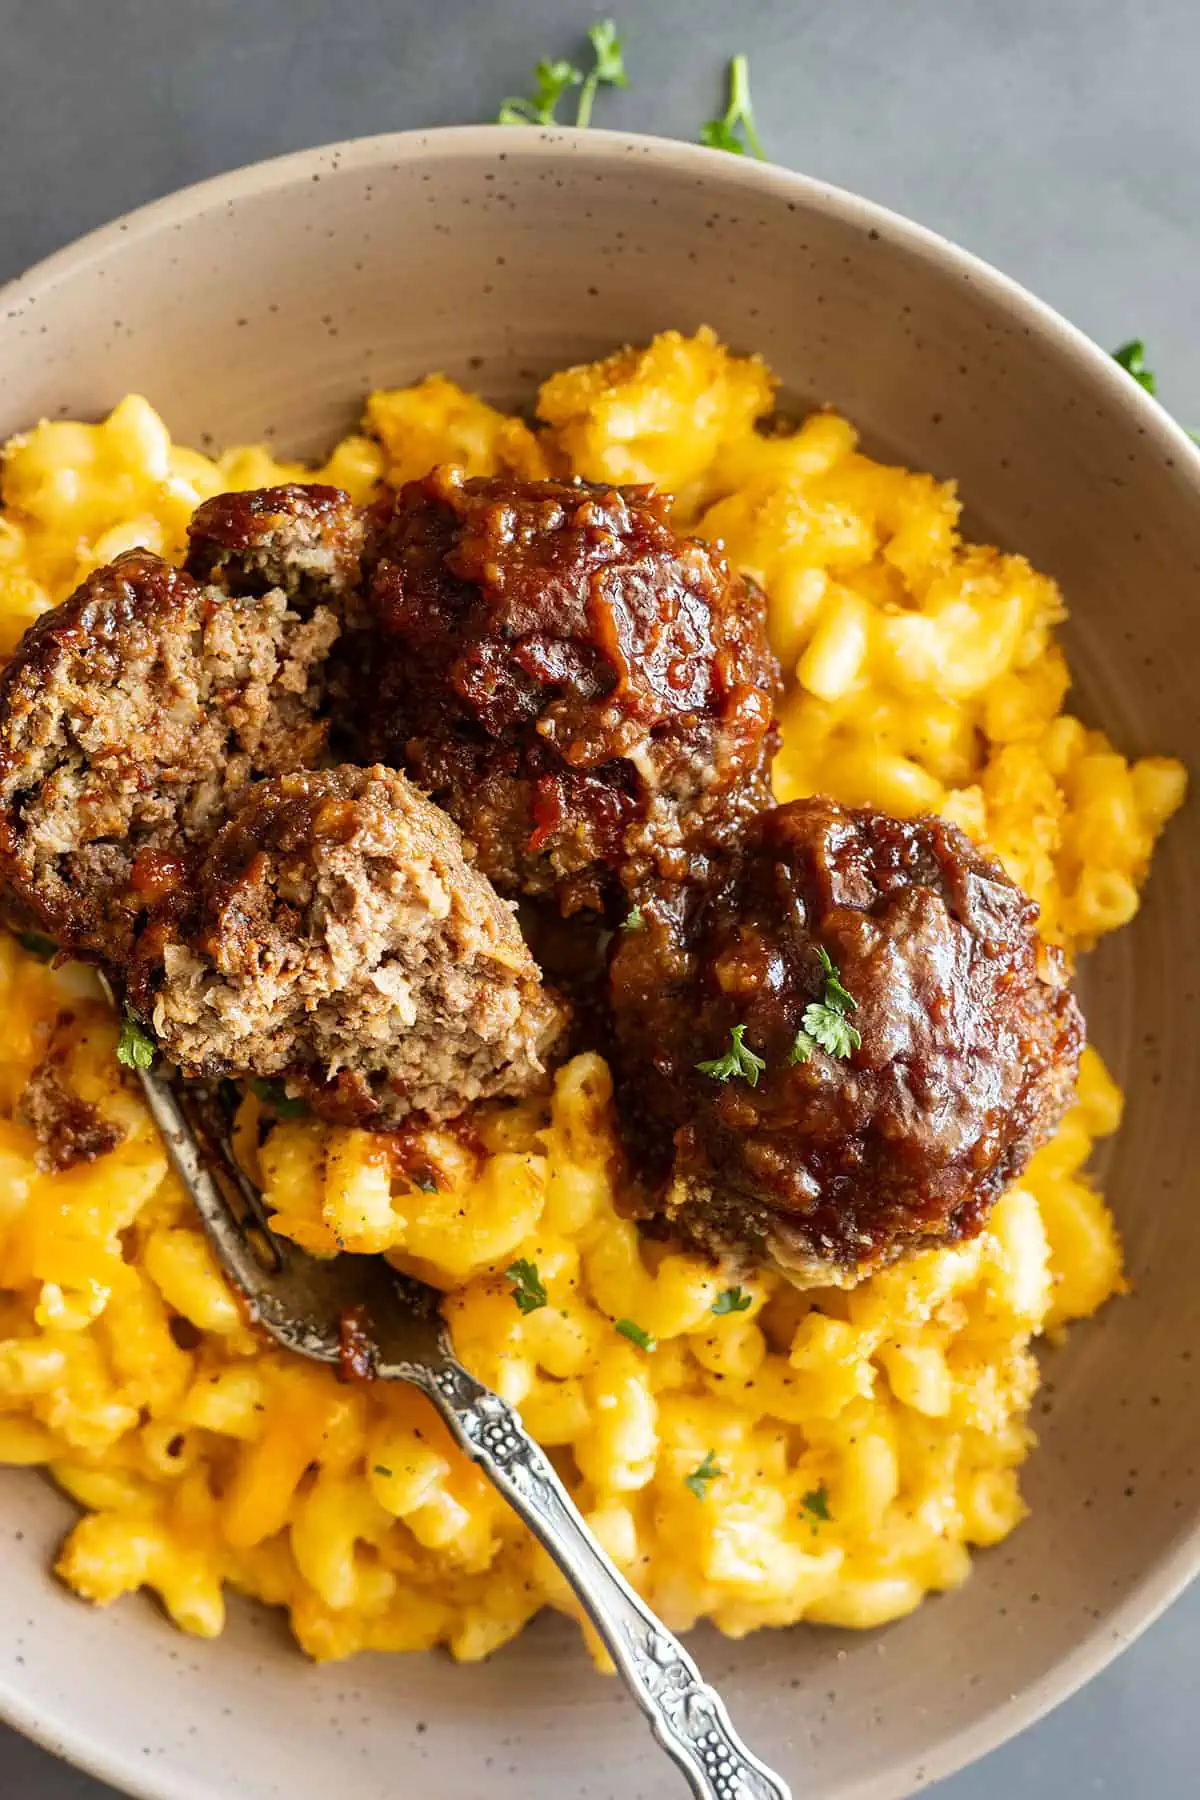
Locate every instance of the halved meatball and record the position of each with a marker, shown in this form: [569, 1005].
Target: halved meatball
[587, 693]
[345, 944]
[129, 717]
[846, 1048]
[303, 538]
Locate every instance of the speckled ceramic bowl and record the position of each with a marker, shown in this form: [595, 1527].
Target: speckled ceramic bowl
[269, 300]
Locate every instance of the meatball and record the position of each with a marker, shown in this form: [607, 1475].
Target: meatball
[345, 944]
[303, 538]
[128, 718]
[588, 694]
[846, 1048]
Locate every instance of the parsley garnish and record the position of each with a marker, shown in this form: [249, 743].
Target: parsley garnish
[722, 133]
[816, 1503]
[636, 1335]
[37, 945]
[135, 1048]
[824, 1024]
[380, 1470]
[551, 80]
[702, 1474]
[827, 1026]
[737, 1060]
[835, 994]
[633, 920]
[528, 1291]
[733, 1300]
[276, 1096]
[607, 70]
[1132, 358]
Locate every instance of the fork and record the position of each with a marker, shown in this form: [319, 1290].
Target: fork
[360, 1315]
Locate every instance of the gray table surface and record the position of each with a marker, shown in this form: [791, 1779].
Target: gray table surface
[1060, 139]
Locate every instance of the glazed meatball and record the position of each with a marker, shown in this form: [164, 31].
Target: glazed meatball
[345, 944]
[129, 717]
[846, 1048]
[588, 694]
[303, 538]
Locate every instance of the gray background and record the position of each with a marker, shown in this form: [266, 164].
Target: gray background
[1060, 139]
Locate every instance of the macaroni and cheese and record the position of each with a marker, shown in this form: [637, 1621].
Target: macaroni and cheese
[757, 1456]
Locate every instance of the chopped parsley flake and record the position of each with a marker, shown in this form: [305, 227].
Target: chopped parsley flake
[37, 945]
[636, 1335]
[276, 1096]
[702, 1474]
[380, 1470]
[734, 1299]
[528, 1291]
[816, 1503]
[737, 1060]
[633, 920]
[738, 117]
[135, 1048]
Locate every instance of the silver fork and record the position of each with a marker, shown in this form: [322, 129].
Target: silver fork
[358, 1306]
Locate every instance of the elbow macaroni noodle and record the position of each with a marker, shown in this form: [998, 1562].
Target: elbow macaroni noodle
[864, 1441]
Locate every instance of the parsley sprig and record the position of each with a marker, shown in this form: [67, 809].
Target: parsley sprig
[553, 79]
[135, 1047]
[550, 82]
[607, 70]
[738, 118]
[737, 1060]
[825, 1024]
[1132, 358]
[704, 1473]
[528, 1290]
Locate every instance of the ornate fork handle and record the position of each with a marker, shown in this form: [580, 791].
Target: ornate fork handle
[686, 1715]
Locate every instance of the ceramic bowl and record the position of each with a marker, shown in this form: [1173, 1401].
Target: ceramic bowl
[268, 301]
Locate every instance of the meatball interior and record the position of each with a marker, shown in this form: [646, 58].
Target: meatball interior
[302, 538]
[129, 717]
[830, 1164]
[345, 944]
[587, 693]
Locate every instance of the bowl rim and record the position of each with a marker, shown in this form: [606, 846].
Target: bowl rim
[1167, 1577]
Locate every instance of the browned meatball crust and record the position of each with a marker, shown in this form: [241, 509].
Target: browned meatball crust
[303, 538]
[129, 716]
[827, 1164]
[587, 693]
[345, 944]
[68, 1130]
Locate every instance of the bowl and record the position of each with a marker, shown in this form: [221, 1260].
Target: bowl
[267, 301]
